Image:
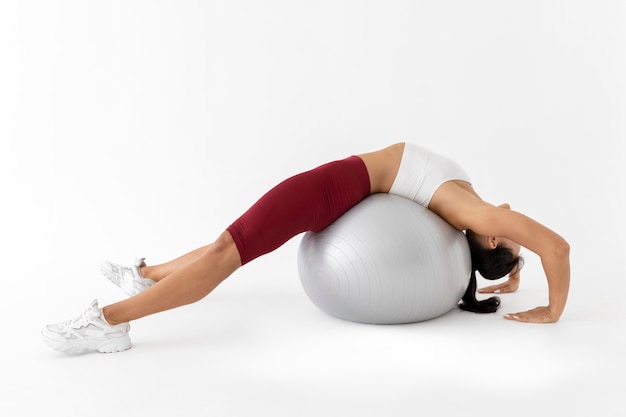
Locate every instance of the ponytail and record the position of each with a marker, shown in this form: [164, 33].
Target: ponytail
[470, 303]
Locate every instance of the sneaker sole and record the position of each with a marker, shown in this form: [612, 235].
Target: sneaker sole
[112, 345]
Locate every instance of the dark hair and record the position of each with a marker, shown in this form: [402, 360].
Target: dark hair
[491, 264]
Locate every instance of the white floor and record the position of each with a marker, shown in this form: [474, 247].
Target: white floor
[253, 349]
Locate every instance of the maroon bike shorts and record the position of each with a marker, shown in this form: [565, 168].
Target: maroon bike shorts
[309, 201]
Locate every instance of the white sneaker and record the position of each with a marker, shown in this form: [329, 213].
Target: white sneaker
[127, 278]
[87, 332]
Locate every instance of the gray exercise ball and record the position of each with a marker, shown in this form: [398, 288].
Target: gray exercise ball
[387, 260]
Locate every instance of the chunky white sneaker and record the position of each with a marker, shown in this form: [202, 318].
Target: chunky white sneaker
[87, 332]
[127, 278]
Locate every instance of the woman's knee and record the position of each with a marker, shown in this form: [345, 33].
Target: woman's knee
[226, 250]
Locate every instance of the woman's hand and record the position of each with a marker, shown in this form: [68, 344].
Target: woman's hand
[536, 315]
[511, 285]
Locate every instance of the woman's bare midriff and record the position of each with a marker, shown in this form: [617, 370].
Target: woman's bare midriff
[382, 167]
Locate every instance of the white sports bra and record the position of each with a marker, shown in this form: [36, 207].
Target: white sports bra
[422, 172]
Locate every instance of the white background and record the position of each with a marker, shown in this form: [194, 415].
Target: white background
[143, 128]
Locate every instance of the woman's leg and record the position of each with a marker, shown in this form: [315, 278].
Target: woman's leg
[158, 272]
[307, 201]
[197, 276]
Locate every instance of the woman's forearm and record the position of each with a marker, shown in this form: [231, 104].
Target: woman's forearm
[557, 269]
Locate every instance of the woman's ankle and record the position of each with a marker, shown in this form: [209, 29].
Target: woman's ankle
[108, 317]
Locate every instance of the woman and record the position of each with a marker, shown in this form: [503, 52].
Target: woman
[311, 201]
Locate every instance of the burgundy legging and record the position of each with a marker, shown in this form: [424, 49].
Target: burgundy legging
[305, 202]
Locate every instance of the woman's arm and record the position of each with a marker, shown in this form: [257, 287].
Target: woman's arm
[553, 250]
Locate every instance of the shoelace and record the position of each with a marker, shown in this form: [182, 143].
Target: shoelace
[80, 321]
[121, 268]
[134, 269]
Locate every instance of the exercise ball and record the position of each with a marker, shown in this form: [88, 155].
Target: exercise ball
[387, 260]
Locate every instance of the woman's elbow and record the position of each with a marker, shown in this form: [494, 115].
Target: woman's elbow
[562, 249]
